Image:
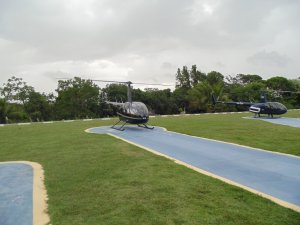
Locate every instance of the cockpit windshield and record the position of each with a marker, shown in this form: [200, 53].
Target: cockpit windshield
[136, 109]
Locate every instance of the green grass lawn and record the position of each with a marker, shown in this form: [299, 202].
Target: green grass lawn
[97, 179]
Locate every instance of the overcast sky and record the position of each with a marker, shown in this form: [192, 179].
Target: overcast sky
[146, 40]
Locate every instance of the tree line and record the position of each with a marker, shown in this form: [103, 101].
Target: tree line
[79, 98]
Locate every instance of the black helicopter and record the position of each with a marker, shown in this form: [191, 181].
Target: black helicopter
[130, 111]
[258, 108]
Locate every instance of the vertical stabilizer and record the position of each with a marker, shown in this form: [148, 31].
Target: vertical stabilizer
[213, 98]
[263, 97]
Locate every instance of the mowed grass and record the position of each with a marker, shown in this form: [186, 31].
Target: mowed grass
[97, 179]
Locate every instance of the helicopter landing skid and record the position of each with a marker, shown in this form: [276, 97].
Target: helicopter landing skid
[256, 115]
[118, 128]
[145, 126]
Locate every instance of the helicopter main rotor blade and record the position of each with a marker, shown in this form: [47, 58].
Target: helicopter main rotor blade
[294, 92]
[153, 84]
[63, 78]
[120, 82]
[106, 81]
[129, 82]
[113, 81]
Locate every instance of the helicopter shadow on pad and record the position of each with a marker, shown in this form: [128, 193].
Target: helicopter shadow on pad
[292, 122]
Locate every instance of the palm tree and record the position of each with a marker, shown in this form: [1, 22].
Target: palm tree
[200, 95]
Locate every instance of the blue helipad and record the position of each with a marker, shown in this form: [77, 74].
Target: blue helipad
[272, 174]
[16, 194]
[292, 122]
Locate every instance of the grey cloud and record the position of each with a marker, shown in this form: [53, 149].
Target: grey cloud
[55, 75]
[167, 65]
[273, 58]
[220, 64]
[136, 37]
[58, 30]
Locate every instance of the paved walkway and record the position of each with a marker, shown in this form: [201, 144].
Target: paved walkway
[16, 194]
[292, 122]
[275, 176]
